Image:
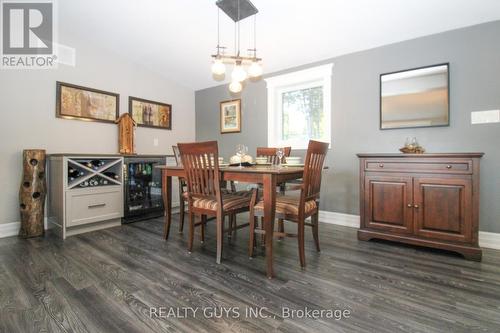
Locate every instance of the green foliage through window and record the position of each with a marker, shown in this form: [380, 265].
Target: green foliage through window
[302, 114]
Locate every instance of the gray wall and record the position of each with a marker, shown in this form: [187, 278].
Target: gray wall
[27, 109]
[474, 57]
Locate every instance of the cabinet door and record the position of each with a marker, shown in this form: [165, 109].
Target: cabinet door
[443, 208]
[388, 203]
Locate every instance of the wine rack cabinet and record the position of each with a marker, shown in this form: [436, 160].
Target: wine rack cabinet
[85, 192]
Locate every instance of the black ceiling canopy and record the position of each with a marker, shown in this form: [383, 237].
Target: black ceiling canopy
[230, 7]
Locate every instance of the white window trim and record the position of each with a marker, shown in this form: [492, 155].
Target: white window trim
[276, 85]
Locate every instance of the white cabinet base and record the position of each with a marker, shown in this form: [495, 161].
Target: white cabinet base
[75, 206]
[70, 231]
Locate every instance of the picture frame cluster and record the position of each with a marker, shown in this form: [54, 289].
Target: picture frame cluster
[89, 104]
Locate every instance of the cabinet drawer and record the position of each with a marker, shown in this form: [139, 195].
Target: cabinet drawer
[84, 207]
[461, 167]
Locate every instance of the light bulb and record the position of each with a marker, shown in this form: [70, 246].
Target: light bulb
[238, 73]
[255, 69]
[218, 67]
[235, 87]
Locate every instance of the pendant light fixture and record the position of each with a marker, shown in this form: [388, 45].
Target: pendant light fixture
[237, 10]
[235, 87]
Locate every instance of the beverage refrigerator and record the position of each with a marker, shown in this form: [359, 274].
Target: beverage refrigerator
[142, 187]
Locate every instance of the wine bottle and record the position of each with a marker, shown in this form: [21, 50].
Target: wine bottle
[74, 174]
[144, 115]
[96, 164]
[150, 115]
[111, 174]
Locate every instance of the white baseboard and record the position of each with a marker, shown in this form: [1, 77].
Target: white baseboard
[9, 229]
[346, 220]
[490, 240]
[12, 229]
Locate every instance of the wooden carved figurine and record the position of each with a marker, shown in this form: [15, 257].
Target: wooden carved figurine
[126, 132]
[32, 194]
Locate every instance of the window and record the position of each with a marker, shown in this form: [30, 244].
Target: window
[299, 107]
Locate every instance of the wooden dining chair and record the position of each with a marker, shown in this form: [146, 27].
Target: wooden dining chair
[183, 197]
[297, 208]
[204, 194]
[270, 153]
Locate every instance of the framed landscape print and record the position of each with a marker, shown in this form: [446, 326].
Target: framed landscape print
[77, 102]
[150, 114]
[230, 116]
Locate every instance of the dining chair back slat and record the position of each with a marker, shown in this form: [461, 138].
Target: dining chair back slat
[177, 155]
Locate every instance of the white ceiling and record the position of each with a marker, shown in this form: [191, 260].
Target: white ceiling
[176, 37]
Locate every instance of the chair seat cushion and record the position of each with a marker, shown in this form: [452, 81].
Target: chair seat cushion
[289, 205]
[229, 202]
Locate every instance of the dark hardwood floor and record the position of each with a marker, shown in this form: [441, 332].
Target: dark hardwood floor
[107, 281]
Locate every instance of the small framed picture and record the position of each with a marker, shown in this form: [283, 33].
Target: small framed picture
[230, 116]
[77, 102]
[149, 113]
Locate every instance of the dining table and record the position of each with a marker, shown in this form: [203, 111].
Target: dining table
[267, 175]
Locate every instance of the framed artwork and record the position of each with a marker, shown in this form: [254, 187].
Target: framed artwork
[230, 116]
[77, 102]
[150, 114]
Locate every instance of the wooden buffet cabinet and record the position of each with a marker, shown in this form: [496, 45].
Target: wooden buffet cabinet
[422, 199]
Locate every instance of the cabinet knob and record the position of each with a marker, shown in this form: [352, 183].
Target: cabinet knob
[416, 206]
[448, 166]
[381, 165]
[410, 205]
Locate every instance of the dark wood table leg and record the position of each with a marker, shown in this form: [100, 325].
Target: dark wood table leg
[269, 190]
[167, 202]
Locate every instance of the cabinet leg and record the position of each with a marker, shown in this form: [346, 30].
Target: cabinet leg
[472, 254]
[364, 236]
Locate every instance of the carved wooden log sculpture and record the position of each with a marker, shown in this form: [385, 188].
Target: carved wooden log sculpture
[32, 194]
